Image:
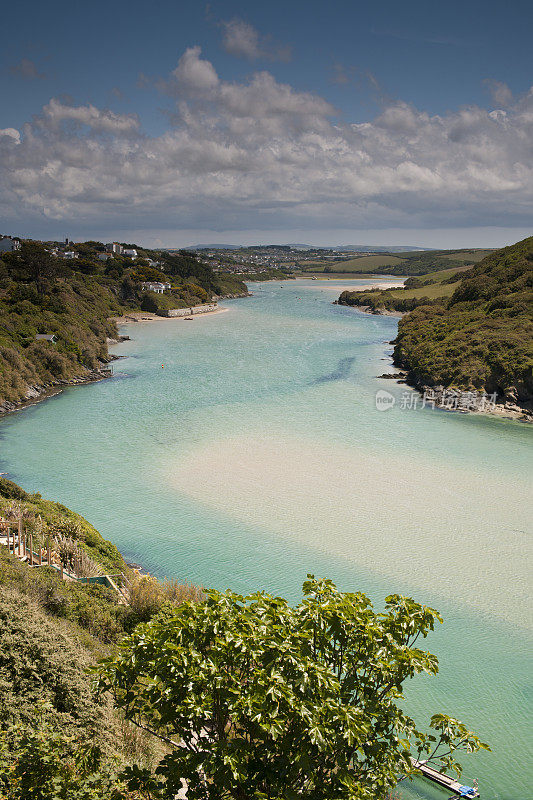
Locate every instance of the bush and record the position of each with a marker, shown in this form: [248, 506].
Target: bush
[149, 303]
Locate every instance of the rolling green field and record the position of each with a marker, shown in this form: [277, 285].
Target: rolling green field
[360, 264]
[419, 263]
[432, 291]
[442, 274]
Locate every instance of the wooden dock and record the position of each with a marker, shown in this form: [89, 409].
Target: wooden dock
[443, 780]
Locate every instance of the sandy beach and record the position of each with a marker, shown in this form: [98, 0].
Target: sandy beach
[350, 287]
[147, 316]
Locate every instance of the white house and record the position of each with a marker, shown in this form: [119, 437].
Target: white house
[153, 263]
[114, 247]
[8, 244]
[132, 253]
[105, 256]
[155, 286]
[70, 254]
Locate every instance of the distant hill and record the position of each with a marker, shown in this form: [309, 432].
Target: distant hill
[206, 247]
[344, 248]
[379, 248]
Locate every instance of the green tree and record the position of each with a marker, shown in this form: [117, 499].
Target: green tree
[34, 263]
[258, 699]
[149, 303]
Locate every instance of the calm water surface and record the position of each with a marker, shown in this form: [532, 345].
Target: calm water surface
[257, 455]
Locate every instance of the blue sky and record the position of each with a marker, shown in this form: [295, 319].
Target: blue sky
[271, 109]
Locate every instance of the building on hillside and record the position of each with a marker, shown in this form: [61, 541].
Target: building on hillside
[70, 254]
[45, 337]
[153, 263]
[155, 286]
[8, 244]
[114, 247]
[105, 256]
[130, 252]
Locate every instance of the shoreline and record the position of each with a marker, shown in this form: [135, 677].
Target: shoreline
[148, 316]
[506, 410]
[367, 310]
[40, 392]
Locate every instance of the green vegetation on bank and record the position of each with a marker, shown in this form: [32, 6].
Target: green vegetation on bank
[471, 330]
[72, 300]
[482, 336]
[398, 263]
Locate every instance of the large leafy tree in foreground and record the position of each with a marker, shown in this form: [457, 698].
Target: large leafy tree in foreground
[258, 699]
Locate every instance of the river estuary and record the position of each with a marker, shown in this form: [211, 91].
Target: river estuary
[256, 454]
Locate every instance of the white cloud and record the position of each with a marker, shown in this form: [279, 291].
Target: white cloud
[55, 113]
[260, 154]
[193, 74]
[242, 40]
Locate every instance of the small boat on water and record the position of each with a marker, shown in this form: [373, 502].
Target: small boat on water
[445, 781]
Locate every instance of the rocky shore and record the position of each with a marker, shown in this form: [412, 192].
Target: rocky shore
[465, 401]
[39, 392]
[377, 312]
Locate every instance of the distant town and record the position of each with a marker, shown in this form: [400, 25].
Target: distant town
[150, 270]
[244, 262]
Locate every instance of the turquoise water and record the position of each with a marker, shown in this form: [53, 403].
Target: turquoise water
[257, 454]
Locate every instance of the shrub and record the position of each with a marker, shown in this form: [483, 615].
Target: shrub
[149, 303]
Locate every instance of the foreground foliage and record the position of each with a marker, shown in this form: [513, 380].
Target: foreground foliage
[57, 740]
[260, 700]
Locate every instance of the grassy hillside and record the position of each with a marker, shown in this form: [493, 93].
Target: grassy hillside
[58, 739]
[431, 288]
[481, 337]
[73, 300]
[50, 721]
[469, 328]
[56, 518]
[419, 263]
